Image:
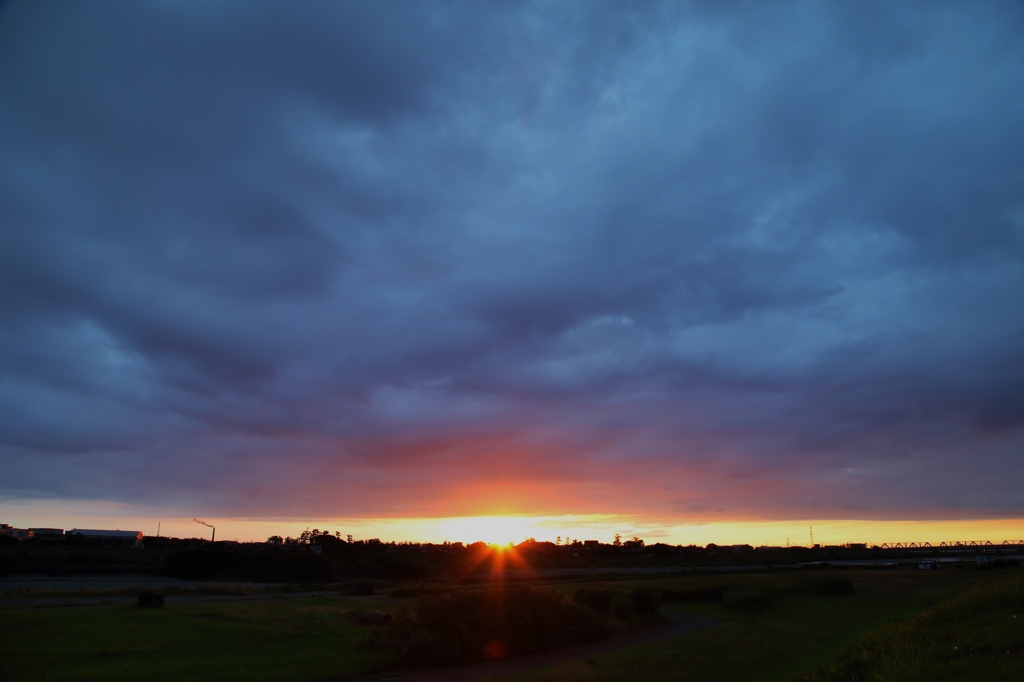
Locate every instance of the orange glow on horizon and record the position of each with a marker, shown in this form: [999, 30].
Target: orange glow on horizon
[500, 530]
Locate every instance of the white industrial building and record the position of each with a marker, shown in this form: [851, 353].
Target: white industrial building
[130, 538]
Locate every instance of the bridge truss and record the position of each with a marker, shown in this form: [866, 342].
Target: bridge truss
[961, 544]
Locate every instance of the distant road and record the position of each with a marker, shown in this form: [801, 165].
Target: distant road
[35, 583]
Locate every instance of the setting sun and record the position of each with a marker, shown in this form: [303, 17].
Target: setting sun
[494, 530]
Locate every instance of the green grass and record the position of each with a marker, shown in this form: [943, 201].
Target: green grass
[294, 640]
[977, 636]
[892, 615]
[801, 632]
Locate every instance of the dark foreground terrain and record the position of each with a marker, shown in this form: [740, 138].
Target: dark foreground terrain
[961, 623]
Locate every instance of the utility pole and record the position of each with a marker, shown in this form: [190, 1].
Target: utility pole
[158, 529]
[812, 536]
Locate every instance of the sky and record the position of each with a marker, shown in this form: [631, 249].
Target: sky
[654, 266]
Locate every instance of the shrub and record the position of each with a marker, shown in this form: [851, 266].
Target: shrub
[373, 618]
[833, 586]
[697, 594]
[748, 601]
[645, 601]
[598, 601]
[428, 649]
[363, 588]
[150, 600]
[421, 590]
[470, 626]
[223, 563]
[1000, 563]
[622, 609]
[824, 586]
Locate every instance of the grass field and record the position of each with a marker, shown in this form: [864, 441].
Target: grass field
[801, 633]
[977, 636]
[789, 631]
[291, 640]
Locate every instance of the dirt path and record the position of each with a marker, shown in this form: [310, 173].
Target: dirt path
[677, 624]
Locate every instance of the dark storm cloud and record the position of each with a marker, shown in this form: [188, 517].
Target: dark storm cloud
[671, 259]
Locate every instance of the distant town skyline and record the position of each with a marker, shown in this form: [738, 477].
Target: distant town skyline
[667, 268]
[515, 529]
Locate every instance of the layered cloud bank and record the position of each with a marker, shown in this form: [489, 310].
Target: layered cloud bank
[336, 260]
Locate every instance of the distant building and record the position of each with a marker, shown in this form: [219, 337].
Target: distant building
[19, 533]
[591, 544]
[118, 538]
[46, 532]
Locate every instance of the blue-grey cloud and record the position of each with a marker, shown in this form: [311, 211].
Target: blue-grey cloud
[673, 258]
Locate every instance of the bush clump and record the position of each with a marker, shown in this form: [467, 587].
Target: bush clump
[748, 601]
[644, 601]
[698, 594]
[823, 586]
[150, 600]
[363, 588]
[476, 625]
[222, 563]
[1000, 563]
[833, 586]
[597, 600]
[373, 617]
[421, 590]
[622, 609]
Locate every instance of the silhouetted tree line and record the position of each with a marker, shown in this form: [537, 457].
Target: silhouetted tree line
[223, 563]
[74, 559]
[317, 555]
